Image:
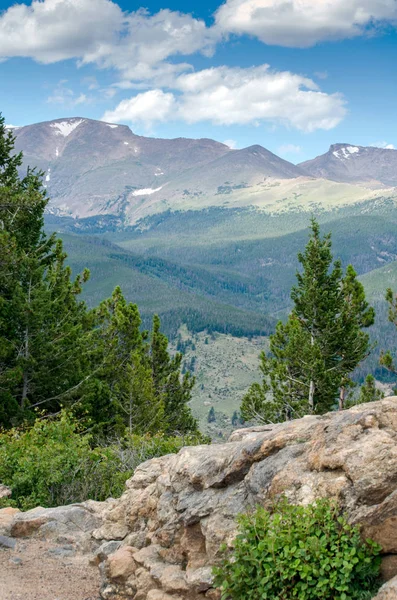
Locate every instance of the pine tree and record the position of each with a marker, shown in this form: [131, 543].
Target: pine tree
[386, 359]
[175, 390]
[368, 393]
[117, 343]
[42, 323]
[135, 395]
[313, 354]
[211, 418]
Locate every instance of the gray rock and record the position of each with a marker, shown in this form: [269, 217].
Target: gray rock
[105, 550]
[62, 551]
[7, 542]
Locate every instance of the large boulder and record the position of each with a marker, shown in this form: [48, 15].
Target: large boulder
[71, 524]
[178, 509]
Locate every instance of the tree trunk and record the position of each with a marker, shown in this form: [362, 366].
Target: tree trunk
[25, 387]
[311, 397]
[342, 395]
[311, 388]
[130, 419]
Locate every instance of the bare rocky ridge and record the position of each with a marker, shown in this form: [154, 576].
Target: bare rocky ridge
[347, 163]
[161, 538]
[96, 168]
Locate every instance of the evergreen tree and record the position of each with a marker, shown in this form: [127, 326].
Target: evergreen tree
[211, 418]
[174, 390]
[42, 323]
[313, 354]
[235, 419]
[368, 393]
[386, 359]
[117, 345]
[136, 397]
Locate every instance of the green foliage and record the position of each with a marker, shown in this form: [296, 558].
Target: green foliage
[386, 358]
[53, 463]
[368, 393]
[174, 390]
[54, 353]
[43, 325]
[303, 552]
[314, 353]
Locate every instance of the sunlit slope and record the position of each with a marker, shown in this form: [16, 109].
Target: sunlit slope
[271, 195]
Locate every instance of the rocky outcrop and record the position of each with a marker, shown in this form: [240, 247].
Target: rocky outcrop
[71, 524]
[178, 509]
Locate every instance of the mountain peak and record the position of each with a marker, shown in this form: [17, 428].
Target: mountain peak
[347, 163]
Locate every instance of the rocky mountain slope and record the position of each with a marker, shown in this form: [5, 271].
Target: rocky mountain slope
[96, 168]
[355, 164]
[161, 538]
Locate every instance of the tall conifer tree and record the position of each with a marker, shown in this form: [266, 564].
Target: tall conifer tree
[42, 323]
[314, 353]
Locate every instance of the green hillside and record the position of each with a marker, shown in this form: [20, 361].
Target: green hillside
[154, 287]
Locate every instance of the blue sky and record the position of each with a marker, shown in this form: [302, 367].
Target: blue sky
[292, 75]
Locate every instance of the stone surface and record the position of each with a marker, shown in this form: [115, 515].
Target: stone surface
[389, 567]
[6, 519]
[121, 564]
[5, 491]
[178, 509]
[388, 591]
[64, 524]
[7, 542]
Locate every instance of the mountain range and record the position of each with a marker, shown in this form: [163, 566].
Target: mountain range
[94, 168]
[208, 237]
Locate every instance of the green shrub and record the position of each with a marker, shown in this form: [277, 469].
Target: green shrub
[307, 553]
[53, 463]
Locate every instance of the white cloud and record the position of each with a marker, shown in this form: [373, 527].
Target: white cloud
[145, 108]
[137, 44]
[233, 96]
[289, 149]
[149, 40]
[384, 145]
[53, 30]
[231, 143]
[303, 23]
[230, 96]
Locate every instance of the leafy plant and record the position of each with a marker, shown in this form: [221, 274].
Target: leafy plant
[53, 463]
[303, 552]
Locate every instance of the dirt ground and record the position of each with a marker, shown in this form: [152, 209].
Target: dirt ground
[37, 570]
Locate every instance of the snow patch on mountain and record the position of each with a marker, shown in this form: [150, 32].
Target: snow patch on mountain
[346, 152]
[112, 126]
[65, 128]
[146, 191]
